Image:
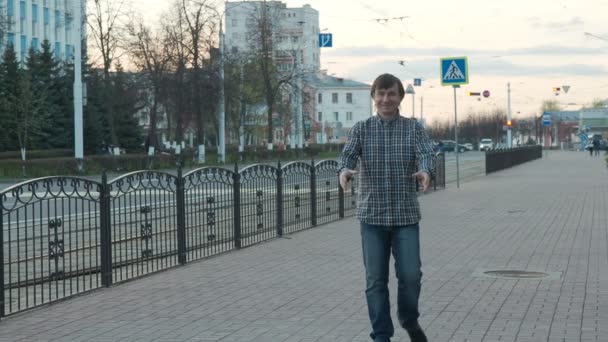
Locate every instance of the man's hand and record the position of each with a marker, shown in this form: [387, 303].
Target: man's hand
[345, 177]
[424, 179]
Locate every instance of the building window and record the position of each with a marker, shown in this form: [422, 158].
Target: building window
[349, 116]
[46, 21]
[11, 39]
[22, 16]
[349, 97]
[35, 44]
[24, 47]
[336, 117]
[34, 19]
[334, 98]
[58, 50]
[320, 116]
[10, 8]
[68, 53]
[320, 96]
[57, 24]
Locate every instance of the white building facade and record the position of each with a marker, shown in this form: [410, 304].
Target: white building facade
[29, 22]
[333, 105]
[295, 31]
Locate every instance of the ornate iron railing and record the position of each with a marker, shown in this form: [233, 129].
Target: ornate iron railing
[61, 236]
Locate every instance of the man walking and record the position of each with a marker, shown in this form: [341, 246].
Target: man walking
[393, 153]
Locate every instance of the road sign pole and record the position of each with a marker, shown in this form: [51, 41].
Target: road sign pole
[509, 137]
[456, 149]
[454, 72]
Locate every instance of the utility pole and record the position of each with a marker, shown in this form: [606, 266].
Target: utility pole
[410, 90]
[78, 121]
[242, 119]
[421, 111]
[221, 151]
[299, 103]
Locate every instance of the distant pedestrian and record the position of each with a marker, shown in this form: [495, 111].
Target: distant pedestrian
[440, 146]
[393, 152]
[596, 146]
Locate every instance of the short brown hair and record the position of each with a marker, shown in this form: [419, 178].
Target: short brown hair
[386, 81]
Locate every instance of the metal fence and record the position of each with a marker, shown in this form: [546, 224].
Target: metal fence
[62, 236]
[501, 159]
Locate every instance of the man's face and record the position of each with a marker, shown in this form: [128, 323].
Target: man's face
[387, 100]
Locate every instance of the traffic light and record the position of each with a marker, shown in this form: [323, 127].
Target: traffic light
[509, 123]
[556, 89]
[473, 93]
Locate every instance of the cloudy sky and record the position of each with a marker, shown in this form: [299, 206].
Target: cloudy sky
[534, 45]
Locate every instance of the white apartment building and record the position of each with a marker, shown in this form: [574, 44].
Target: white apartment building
[295, 31]
[334, 105]
[30, 22]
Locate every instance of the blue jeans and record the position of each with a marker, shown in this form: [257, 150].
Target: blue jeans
[378, 242]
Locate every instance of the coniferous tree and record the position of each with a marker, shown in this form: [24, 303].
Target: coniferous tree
[8, 90]
[53, 86]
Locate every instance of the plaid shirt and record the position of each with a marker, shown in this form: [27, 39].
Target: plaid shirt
[390, 151]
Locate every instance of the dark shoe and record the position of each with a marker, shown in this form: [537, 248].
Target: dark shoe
[416, 333]
[382, 339]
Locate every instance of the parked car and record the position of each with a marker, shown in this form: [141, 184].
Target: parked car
[450, 146]
[469, 146]
[486, 144]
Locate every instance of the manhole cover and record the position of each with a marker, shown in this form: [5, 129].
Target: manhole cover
[516, 211]
[517, 274]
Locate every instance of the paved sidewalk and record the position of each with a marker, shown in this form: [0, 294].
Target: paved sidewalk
[549, 215]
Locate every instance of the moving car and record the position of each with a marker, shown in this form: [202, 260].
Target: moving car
[486, 144]
[449, 146]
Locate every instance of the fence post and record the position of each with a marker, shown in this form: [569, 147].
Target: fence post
[1, 255]
[313, 193]
[106, 235]
[279, 200]
[181, 217]
[236, 180]
[340, 200]
[487, 162]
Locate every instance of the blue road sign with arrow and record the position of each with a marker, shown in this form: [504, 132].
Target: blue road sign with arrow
[325, 40]
[547, 119]
[454, 71]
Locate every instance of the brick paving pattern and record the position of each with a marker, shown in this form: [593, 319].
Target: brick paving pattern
[549, 215]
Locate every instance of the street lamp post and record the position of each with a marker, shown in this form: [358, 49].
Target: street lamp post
[78, 121]
[221, 153]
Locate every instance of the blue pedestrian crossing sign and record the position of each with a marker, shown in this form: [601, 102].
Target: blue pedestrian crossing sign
[325, 40]
[454, 71]
[417, 82]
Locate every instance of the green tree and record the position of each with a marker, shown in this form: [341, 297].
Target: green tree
[95, 128]
[599, 103]
[125, 107]
[9, 97]
[550, 106]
